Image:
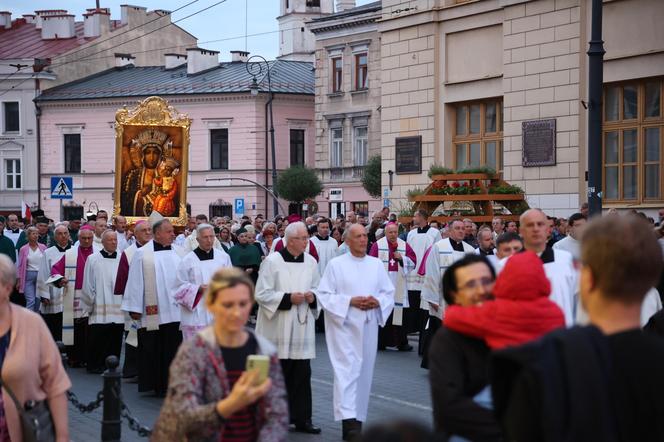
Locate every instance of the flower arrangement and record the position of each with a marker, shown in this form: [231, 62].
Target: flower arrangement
[455, 188]
[505, 189]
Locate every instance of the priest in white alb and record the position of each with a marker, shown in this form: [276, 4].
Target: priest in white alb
[194, 272]
[357, 296]
[105, 318]
[326, 246]
[287, 312]
[149, 296]
[142, 235]
[438, 258]
[50, 306]
[399, 260]
[68, 273]
[420, 238]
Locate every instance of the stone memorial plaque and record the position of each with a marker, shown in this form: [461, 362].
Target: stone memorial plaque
[408, 154]
[539, 143]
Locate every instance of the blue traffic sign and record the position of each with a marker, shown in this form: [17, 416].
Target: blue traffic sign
[239, 206]
[62, 187]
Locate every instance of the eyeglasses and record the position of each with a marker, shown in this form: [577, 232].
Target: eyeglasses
[475, 283]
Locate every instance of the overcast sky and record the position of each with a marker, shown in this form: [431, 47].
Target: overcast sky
[225, 22]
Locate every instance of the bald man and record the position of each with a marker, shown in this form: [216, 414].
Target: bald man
[558, 264]
[105, 319]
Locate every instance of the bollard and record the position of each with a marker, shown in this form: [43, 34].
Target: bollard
[111, 425]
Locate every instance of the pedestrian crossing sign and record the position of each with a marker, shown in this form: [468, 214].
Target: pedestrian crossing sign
[62, 187]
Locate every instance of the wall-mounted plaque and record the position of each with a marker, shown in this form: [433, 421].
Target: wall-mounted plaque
[408, 154]
[539, 143]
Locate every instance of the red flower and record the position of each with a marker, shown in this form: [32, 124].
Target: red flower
[455, 184]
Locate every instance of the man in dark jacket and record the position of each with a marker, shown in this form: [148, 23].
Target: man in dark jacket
[458, 364]
[600, 382]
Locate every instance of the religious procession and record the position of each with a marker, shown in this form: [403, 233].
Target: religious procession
[332, 220]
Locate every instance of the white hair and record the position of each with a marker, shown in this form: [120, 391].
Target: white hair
[202, 227]
[7, 270]
[292, 229]
[108, 231]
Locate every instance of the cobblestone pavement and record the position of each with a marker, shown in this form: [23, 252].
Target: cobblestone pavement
[399, 391]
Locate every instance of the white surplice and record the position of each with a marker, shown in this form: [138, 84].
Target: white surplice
[442, 256]
[652, 303]
[193, 272]
[49, 291]
[327, 249]
[292, 331]
[165, 263]
[420, 240]
[97, 297]
[352, 334]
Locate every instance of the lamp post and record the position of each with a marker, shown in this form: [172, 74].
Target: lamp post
[595, 80]
[89, 213]
[255, 69]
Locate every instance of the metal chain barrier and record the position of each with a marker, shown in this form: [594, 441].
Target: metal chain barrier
[85, 408]
[133, 423]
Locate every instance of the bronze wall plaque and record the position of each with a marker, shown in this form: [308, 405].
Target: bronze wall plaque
[539, 143]
[408, 156]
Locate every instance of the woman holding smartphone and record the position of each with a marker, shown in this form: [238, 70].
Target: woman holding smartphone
[211, 397]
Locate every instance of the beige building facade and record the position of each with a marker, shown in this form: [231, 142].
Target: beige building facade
[348, 99]
[469, 76]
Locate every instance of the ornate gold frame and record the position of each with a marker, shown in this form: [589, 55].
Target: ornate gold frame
[152, 112]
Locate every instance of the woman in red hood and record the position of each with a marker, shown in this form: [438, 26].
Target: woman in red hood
[521, 311]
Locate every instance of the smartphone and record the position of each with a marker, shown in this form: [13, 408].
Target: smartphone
[260, 363]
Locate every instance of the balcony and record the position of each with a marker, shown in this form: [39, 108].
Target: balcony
[342, 174]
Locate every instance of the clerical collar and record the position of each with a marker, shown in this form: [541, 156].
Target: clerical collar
[547, 256]
[456, 245]
[15, 230]
[203, 255]
[486, 252]
[106, 254]
[158, 247]
[321, 238]
[424, 229]
[63, 249]
[85, 248]
[138, 245]
[286, 255]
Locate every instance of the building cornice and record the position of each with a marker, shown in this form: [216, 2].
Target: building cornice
[333, 26]
[195, 99]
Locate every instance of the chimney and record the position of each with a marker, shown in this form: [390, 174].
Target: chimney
[199, 60]
[342, 5]
[173, 61]
[57, 26]
[239, 56]
[39, 19]
[29, 18]
[96, 22]
[123, 60]
[5, 19]
[132, 15]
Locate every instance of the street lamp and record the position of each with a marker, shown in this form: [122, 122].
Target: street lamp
[255, 69]
[89, 213]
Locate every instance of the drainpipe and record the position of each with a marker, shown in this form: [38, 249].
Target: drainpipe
[38, 113]
[267, 103]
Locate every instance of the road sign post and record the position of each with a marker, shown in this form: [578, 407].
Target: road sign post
[62, 187]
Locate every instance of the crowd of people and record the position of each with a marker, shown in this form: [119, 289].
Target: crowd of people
[502, 313]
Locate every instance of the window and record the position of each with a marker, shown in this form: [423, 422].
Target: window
[11, 116]
[219, 149]
[360, 71]
[336, 147]
[12, 174]
[478, 137]
[313, 3]
[71, 212]
[361, 208]
[361, 146]
[337, 74]
[297, 147]
[220, 208]
[632, 139]
[72, 153]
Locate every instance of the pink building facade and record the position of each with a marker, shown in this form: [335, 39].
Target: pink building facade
[228, 132]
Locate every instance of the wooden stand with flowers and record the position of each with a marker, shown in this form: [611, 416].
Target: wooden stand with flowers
[479, 190]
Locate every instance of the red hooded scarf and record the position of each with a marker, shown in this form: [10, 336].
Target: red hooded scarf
[521, 311]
